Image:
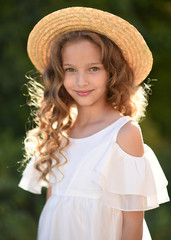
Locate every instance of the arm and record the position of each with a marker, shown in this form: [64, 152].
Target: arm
[132, 225]
[130, 140]
[49, 191]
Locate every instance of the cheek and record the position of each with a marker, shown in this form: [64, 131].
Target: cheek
[103, 80]
[67, 82]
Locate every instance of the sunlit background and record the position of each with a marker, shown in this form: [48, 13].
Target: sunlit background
[20, 210]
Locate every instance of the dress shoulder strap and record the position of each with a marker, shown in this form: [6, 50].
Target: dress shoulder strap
[120, 123]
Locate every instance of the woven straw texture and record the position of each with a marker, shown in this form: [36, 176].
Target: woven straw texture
[125, 35]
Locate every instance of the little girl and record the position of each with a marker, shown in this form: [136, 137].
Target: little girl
[87, 147]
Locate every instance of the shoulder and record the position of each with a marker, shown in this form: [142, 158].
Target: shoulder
[130, 139]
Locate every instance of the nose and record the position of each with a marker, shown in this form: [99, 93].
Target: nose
[82, 79]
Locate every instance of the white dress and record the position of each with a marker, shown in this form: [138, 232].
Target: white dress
[100, 181]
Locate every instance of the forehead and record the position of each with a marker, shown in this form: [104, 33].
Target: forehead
[82, 49]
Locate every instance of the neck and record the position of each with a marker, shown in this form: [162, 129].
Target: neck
[88, 115]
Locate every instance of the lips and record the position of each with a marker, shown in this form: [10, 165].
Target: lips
[84, 93]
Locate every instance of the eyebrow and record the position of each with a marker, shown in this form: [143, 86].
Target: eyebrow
[69, 64]
[98, 63]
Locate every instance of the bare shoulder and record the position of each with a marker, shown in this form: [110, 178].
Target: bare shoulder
[130, 139]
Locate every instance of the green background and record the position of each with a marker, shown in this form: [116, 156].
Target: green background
[20, 210]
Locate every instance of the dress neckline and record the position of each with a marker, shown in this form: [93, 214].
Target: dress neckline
[101, 131]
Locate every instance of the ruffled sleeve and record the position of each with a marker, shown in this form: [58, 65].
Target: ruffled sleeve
[131, 183]
[30, 180]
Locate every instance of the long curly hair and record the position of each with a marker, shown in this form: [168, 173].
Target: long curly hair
[53, 107]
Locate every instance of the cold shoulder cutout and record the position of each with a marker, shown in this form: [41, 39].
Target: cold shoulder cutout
[129, 138]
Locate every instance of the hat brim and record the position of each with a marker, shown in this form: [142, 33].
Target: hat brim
[125, 35]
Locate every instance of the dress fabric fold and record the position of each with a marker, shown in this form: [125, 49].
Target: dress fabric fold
[30, 180]
[131, 183]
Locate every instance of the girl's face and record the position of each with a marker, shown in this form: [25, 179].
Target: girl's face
[85, 78]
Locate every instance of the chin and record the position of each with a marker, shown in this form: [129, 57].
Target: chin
[86, 104]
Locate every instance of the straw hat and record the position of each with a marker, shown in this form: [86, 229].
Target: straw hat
[126, 36]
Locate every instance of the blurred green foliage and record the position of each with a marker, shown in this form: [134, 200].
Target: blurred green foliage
[20, 210]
